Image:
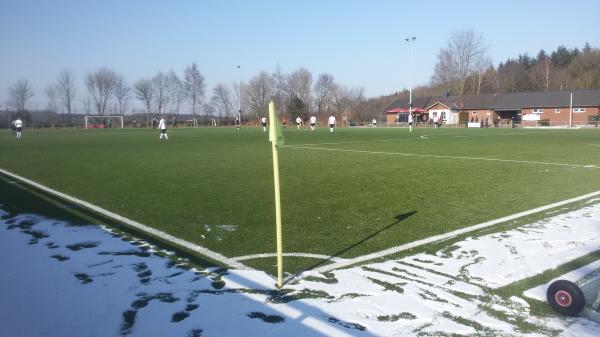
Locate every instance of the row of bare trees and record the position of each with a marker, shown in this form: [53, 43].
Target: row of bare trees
[464, 67]
[162, 93]
[294, 94]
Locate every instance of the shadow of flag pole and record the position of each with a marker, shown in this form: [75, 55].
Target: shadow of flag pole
[276, 138]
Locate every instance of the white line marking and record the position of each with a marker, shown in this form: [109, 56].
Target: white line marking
[445, 157]
[446, 236]
[452, 135]
[143, 228]
[309, 255]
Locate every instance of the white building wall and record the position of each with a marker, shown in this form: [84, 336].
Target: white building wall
[451, 115]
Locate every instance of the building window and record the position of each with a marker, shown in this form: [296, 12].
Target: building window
[538, 111]
[578, 109]
[443, 115]
[474, 113]
[557, 110]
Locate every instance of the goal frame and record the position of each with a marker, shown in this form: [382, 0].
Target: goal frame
[105, 116]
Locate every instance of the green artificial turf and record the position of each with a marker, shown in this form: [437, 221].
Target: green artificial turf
[214, 186]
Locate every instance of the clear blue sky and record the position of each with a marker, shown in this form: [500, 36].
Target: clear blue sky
[361, 43]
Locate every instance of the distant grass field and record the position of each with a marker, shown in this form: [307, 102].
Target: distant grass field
[345, 194]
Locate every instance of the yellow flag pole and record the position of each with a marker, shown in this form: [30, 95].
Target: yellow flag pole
[273, 120]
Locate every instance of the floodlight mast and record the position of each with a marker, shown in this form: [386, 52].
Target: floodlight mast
[411, 41]
[239, 94]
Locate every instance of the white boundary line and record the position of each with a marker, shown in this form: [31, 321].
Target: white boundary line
[340, 263]
[445, 157]
[430, 136]
[309, 255]
[134, 224]
[446, 236]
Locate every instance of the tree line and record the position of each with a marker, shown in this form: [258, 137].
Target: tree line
[463, 67]
[296, 94]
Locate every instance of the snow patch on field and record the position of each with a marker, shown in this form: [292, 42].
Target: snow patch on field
[83, 280]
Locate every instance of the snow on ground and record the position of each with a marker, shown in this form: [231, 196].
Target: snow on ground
[60, 279]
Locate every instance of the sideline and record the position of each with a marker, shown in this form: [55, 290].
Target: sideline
[443, 237]
[446, 157]
[429, 136]
[134, 224]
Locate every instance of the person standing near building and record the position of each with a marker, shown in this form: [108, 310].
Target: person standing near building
[162, 126]
[410, 122]
[313, 122]
[18, 127]
[331, 123]
[298, 122]
[435, 120]
[374, 123]
[263, 123]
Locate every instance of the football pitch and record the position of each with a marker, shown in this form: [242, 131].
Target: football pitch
[344, 194]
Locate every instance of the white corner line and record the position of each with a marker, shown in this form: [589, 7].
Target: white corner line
[309, 255]
[446, 236]
[134, 224]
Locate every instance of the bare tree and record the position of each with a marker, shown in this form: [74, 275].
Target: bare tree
[20, 93]
[259, 92]
[481, 66]
[101, 85]
[280, 91]
[144, 91]
[356, 101]
[444, 72]
[51, 93]
[174, 91]
[87, 105]
[160, 83]
[194, 86]
[122, 91]
[340, 98]
[221, 100]
[458, 60]
[323, 92]
[65, 89]
[299, 85]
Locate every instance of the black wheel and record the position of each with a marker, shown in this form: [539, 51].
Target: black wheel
[565, 298]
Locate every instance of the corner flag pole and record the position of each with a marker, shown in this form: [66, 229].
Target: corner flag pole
[276, 138]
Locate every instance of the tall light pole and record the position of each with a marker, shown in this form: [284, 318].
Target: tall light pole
[239, 94]
[411, 41]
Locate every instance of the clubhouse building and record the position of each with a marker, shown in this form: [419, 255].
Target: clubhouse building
[529, 109]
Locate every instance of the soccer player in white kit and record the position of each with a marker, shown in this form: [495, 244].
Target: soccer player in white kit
[298, 122]
[263, 122]
[162, 126]
[313, 122]
[374, 122]
[410, 121]
[331, 123]
[19, 127]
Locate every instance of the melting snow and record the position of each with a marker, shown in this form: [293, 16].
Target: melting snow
[113, 287]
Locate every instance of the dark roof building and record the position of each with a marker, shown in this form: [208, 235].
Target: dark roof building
[551, 106]
[516, 101]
